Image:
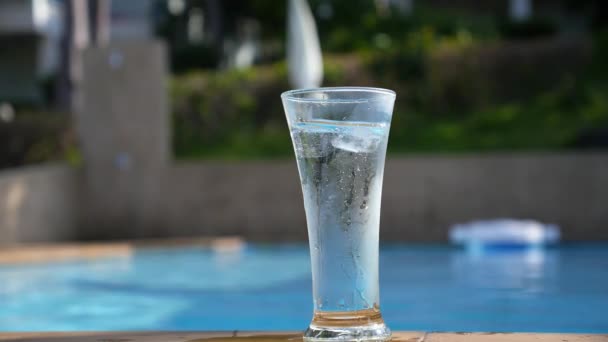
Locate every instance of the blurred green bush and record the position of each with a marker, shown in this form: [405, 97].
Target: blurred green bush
[220, 114]
[36, 136]
[465, 83]
[454, 95]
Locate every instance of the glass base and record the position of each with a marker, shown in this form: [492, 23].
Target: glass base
[376, 332]
[363, 325]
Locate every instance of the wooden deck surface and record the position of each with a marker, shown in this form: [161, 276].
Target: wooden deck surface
[289, 336]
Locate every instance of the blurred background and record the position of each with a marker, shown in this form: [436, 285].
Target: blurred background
[164, 116]
[498, 76]
[130, 120]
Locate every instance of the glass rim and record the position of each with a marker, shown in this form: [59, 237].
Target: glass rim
[291, 95]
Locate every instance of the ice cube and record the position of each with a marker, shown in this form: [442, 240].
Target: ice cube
[358, 140]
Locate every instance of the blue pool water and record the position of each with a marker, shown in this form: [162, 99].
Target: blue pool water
[432, 288]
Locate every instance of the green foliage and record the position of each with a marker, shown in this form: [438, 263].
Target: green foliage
[361, 29]
[229, 114]
[550, 120]
[459, 89]
[35, 137]
[547, 122]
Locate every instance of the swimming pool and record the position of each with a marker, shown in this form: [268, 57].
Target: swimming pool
[430, 288]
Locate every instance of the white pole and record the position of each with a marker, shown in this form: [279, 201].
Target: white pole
[304, 58]
[80, 12]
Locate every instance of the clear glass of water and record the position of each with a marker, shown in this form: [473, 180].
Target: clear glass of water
[340, 137]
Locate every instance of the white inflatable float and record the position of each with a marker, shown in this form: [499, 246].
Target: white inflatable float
[504, 233]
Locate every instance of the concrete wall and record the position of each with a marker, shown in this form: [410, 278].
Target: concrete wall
[262, 201]
[422, 196]
[39, 204]
[124, 134]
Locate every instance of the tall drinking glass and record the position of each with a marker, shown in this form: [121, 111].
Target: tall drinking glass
[339, 137]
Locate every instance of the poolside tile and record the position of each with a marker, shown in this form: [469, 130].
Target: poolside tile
[36, 253]
[60, 252]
